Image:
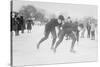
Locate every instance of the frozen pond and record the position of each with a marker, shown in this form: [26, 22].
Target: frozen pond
[26, 53]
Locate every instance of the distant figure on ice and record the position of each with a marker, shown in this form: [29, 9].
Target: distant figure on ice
[22, 23]
[12, 22]
[29, 24]
[88, 26]
[50, 28]
[92, 31]
[19, 23]
[16, 24]
[83, 29]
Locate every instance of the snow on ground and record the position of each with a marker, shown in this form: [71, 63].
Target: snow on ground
[26, 53]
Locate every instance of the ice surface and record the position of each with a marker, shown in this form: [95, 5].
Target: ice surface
[26, 53]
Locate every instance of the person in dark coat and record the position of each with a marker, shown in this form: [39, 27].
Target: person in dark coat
[29, 24]
[22, 23]
[50, 28]
[88, 30]
[19, 21]
[68, 21]
[93, 27]
[12, 18]
[16, 24]
[61, 21]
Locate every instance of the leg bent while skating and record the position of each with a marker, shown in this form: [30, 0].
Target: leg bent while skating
[43, 39]
[53, 33]
[73, 42]
[61, 36]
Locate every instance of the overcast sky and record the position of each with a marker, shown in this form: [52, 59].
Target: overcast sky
[73, 10]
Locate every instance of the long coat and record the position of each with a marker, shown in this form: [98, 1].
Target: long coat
[29, 24]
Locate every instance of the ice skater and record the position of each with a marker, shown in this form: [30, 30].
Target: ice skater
[71, 30]
[50, 28]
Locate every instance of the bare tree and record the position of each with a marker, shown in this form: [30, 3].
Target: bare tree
[28, 11]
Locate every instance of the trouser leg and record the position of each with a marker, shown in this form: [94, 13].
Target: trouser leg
[43, 39]
[92, 35]
[61, 36]
[77, 35]
[22, 29]
[73, 42]
[88, 33]
[53, 33]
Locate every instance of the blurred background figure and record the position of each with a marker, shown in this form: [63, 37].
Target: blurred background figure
[19, 22]
[29, 24]
[16, 24]
[93, 31]
[68, 21]
[83, 30]
[22, 23]
[88, 29]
